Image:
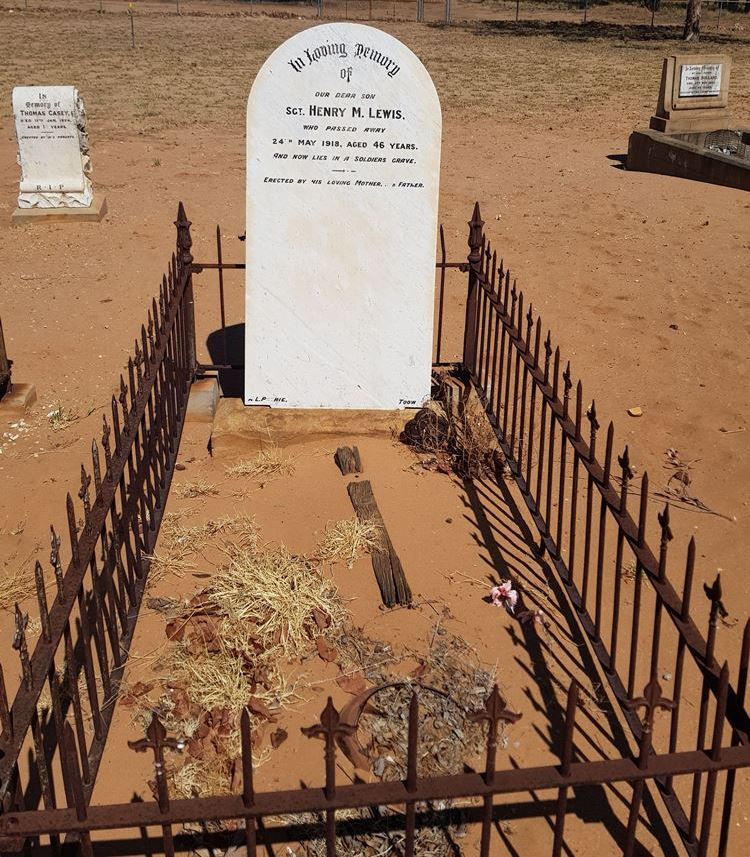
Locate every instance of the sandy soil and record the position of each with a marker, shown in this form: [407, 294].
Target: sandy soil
[641, 278]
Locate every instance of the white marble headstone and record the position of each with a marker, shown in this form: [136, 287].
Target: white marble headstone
[343, 163]
[52, 147]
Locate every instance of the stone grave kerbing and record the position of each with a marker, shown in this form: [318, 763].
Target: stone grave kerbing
[343, 162]
[691, 134]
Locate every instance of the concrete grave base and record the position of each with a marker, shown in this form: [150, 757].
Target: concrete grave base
[654, 152]
[244, 430]
[17, 400]
[203, 401]
[94, 213]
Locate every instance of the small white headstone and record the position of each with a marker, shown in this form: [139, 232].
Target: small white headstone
[343, 163]
[53, 149]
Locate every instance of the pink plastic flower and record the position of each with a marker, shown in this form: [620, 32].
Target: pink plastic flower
[504, 596]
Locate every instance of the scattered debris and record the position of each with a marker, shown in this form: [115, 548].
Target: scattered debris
[347, 540]
[635, 411]
[348, 460]
[197, 488]
[504, 596]
[60, 418]
[458, 436]
[226, 649]
[17, 584]
[394, 588]
[267, 464]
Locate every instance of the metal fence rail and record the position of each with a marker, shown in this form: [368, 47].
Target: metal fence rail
[90, 623]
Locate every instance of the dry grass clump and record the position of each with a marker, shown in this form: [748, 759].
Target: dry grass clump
[197, 488]
[267, 464]
[276, 592]
[346, 541]
[456, 433]
[16, 585]
[179, 543]
[226, 652]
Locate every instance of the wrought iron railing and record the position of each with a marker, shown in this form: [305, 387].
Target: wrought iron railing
[88, 626]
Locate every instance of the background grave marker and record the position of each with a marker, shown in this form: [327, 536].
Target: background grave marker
[53, 153]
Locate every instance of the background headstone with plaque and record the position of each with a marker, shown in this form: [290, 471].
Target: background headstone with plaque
[694, 94]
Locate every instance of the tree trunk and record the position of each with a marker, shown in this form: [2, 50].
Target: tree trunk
[692, 21]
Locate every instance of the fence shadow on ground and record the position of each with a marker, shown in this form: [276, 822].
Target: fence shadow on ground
[513, 554]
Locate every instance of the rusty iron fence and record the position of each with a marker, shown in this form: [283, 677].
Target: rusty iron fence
[587, 536]
[88, 622]
[580, 508]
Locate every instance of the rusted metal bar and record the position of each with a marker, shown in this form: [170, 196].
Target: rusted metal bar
[516, 377]
[509, 363]
[603, 509]
[248, 791]
[5, 365]
[542, 424]
[158, 741]
[524, 387]
[726, 815]
[551, 453]
[441, 299]
[411, 771]
[637, 587]
[472, 298]
[626, 476]
[220, 271]
[329, 729]
[714, 594]
[495, 712]
[715, 753]
[563, 461]
[532, 404]
[650, 701]
[216, 808]
[73, 776]
[574, 490]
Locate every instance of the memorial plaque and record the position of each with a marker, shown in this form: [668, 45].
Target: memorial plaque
[343, 161]
[52, 147]
[700, 80]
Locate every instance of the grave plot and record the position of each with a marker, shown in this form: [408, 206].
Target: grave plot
[265, 596]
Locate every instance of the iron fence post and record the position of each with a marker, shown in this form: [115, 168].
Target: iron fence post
[472, 297]
[5, 364]
[184, 262]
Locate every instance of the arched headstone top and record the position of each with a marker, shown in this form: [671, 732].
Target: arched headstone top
[343, 162]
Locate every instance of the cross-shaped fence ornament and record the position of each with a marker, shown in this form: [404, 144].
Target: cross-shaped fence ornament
[157, 740]
[651, 700]
[495, 711]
